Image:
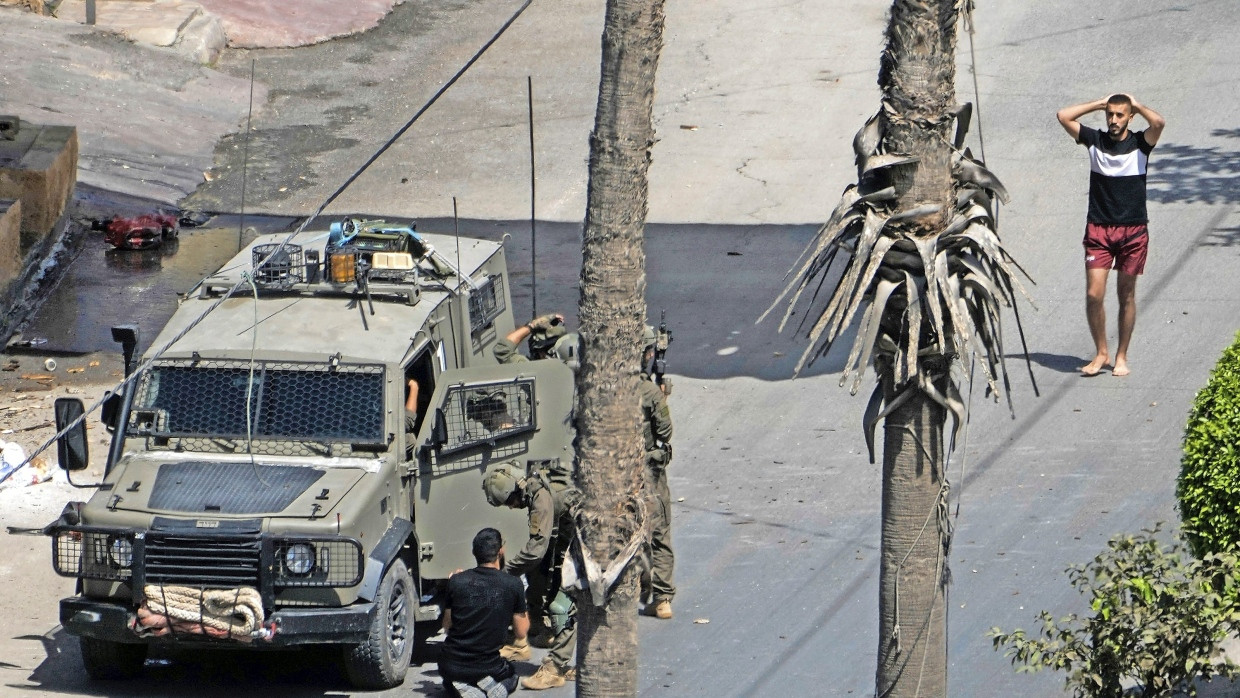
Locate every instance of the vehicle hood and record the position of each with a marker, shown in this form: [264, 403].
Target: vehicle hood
[224, 488]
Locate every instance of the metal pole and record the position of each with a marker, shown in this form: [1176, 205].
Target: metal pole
[90, 12]
[529, 90]
[245, 161]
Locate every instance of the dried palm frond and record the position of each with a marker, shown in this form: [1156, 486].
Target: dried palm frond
[917, 294]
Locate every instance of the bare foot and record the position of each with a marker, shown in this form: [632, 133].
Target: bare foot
[1094, 367]
[1121, 368]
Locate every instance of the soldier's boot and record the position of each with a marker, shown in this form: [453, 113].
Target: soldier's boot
[518, 650]
[547, 676]
[541, 637]
[663, 609]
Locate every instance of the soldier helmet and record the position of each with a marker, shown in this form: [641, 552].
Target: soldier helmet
[568, 350]
[542, 341]
[501, 481]
[648, 337]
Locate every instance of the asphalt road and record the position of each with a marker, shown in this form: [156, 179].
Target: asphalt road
[777, 535]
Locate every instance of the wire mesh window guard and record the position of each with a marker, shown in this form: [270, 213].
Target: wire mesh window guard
[486, 303]
[483, 413]
[287, 401]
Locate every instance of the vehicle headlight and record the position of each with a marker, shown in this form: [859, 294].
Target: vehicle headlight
[120, 551]
[299, 558]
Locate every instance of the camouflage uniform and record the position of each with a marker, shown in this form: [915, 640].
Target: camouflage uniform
[550, 508]
[657, 431]
[541, 339]
[506, 352]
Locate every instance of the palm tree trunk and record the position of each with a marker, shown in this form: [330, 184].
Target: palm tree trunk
[612, 313]
[917, 77]
[912, 649]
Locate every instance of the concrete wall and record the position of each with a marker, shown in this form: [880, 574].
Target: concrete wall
[10, 243]
[39, 168]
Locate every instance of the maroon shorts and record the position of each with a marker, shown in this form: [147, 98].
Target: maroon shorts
[1121, 247]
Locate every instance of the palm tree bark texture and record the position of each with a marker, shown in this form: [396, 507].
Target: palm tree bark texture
[612, 313]
[917, 75]
[927, 277]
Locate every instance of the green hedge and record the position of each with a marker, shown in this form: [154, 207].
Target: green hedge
[1209, 485]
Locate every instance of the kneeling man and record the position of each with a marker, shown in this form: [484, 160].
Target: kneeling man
[479, 606]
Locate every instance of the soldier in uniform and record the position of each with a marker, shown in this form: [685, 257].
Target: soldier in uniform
[657, 430]
[542, 332]
[549, 503]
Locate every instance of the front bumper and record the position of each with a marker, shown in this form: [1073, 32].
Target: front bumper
[107, 620]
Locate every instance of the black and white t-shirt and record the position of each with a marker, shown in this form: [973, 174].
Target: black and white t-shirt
[1116, 177]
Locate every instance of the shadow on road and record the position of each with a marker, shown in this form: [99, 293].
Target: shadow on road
[713, 281]
[298, 673]
[1195, 174]
[1063, 363]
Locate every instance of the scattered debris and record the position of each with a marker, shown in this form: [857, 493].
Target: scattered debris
[49, 364]
[38, 377]
[75, 370]
[193, 219]
[12, 455]
[688, 127]
[701, 621]
[9, 126]
[141, 232]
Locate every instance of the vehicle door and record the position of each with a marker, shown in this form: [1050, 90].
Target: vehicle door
[482, 415]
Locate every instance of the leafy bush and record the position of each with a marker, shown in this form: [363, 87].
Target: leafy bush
[1209, 485]
[1156, 619]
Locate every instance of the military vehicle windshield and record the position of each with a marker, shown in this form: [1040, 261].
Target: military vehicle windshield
[260, 401]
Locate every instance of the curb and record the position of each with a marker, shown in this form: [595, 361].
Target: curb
[185, 27]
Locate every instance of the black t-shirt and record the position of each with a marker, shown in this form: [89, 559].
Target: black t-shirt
[482, 601]
[1116, 177]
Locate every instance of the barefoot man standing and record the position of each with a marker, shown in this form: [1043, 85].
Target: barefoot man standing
[1116, 234]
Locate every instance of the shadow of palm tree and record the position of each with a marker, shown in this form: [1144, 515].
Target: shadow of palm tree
[1192, 174]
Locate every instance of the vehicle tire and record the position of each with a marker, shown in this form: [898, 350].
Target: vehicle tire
[382, 660]
[112, 661]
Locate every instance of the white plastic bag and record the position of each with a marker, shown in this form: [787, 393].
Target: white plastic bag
[12, 455]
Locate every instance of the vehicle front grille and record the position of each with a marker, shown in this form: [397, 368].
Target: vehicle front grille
[224, 562]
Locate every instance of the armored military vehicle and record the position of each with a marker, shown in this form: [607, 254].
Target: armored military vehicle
[303, 463]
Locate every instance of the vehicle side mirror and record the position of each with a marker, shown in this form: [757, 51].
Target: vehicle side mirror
[439, 430]
[110, 410]
[71, 447]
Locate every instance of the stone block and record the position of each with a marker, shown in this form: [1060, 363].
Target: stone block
[39, 168]
[203, 39]
[151, 22]
[10, 243]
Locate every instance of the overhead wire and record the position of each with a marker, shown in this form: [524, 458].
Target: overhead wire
[154, 356]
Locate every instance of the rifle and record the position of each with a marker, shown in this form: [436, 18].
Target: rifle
[659, 364]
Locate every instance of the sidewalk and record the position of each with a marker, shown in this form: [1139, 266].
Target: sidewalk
[201, 29]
